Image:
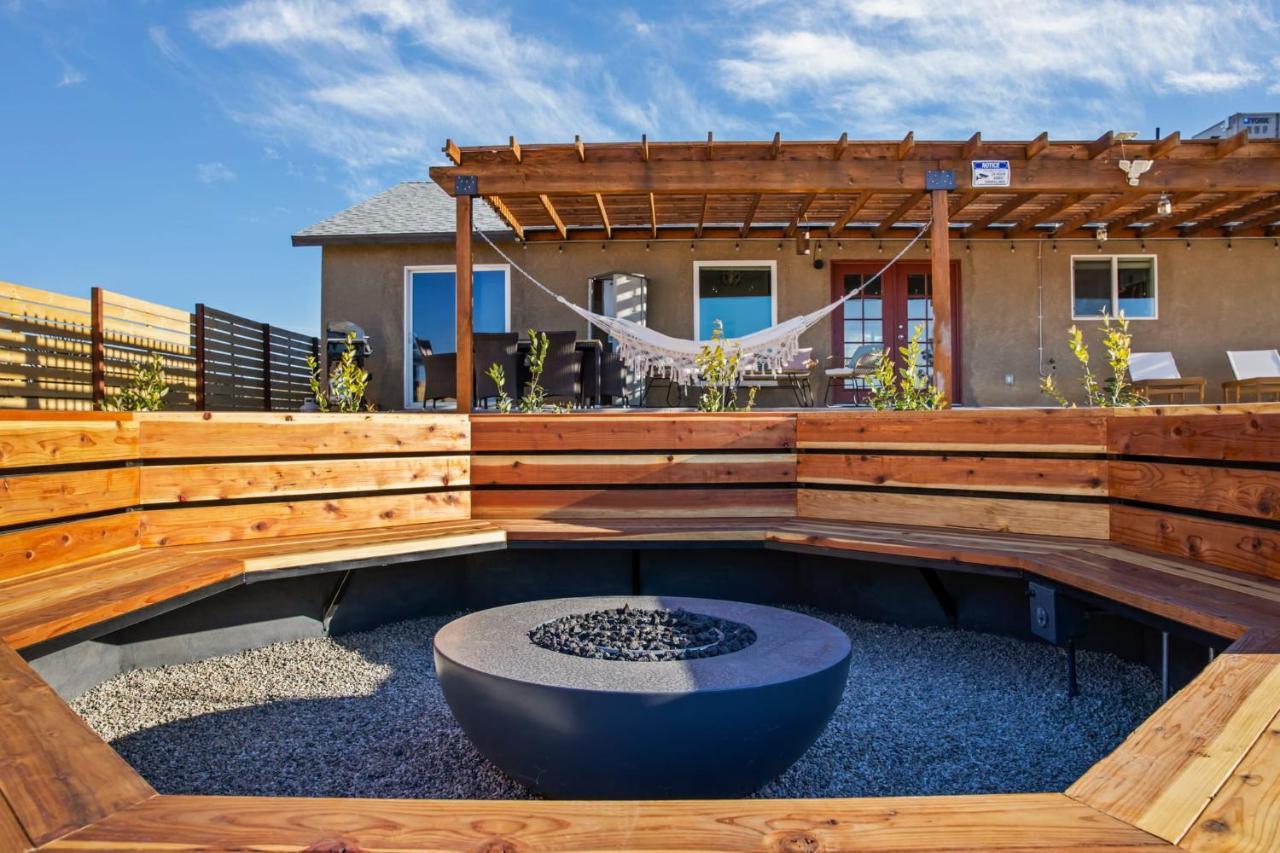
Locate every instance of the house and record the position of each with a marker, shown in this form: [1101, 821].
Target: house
[1042, 235]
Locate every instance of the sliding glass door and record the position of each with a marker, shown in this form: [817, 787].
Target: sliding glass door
[431, 327]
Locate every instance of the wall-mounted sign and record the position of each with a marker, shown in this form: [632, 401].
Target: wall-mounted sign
[990, 173]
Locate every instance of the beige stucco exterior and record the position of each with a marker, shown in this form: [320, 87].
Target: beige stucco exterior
[1210, 299]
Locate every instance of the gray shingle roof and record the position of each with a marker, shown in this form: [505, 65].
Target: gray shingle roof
[409, 212]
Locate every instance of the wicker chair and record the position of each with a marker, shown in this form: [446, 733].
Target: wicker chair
[495, 348]
[562, 369]
[442, 378]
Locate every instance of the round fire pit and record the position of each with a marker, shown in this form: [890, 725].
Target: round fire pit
[641, 697]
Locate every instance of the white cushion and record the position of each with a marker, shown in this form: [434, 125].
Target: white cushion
[839, 372]
[1255, 364]
[1152, 365]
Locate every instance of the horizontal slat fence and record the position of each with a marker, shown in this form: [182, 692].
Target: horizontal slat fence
[61, 352]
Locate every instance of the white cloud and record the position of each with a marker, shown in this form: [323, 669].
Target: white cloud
[164, 43]
[214, 173]
[71, 77]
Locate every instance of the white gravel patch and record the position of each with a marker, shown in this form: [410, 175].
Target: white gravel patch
[926, 711]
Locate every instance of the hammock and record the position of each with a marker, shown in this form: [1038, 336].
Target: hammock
[647, 351]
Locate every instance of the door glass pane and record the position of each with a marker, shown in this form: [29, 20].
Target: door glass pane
[1092, 294]
[434, 322]
[920, 315]
[739, 297]
[864, 324]
[1137, 286]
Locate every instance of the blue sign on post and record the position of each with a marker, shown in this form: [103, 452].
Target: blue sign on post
[990, 173]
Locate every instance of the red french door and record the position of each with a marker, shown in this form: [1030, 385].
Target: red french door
[887, 312]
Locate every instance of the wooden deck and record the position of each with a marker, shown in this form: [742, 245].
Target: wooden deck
[1174, 512]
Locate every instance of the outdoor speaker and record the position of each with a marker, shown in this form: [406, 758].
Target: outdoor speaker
[1054, 616]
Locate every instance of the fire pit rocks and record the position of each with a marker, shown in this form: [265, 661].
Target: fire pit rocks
[641, 697]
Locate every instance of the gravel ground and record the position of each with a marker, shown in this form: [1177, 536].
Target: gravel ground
[926, 711]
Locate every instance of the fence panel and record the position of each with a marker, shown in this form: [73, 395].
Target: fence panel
[45, 343]
[133, 329]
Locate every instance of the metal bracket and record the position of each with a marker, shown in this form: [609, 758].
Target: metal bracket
[940, 179]
[466, 185]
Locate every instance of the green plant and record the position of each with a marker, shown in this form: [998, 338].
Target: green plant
[499, 377]
[907, 388]
[719, 368]
[145, 392]
[535, 396]
[347, 384]
[1115, 391]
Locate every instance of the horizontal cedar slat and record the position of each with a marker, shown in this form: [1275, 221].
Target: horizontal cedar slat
[1234, 491]
[187, 526]
[48, 439]
[57, 775]
[1241, 547]
[213, 434]
[43, 497]
[632, 503]
[232, 480]
[1041, 517]
[637, 468]
[632, 432]
[975, 473]
[1233, 436]
[992, 822]
[35, 549]
[1033, 430]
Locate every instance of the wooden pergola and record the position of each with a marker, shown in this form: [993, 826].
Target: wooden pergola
[846, 189]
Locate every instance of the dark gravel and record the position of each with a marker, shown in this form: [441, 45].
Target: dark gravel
[926, 711]
[623, 634]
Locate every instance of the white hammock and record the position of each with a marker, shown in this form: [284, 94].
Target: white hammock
[647, 351]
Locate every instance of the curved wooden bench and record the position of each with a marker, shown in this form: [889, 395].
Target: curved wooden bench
[108, 517]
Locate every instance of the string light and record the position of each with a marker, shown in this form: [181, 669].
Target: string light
[560, 248]
[646, 245]
[1188, 245]
[839, 245]
[604, 247]
[690, 247]
[779, 247]
[1012, 247]
[880, 247]
[1228, 244]
[737, 247]
[1055, 245]
[968, 247]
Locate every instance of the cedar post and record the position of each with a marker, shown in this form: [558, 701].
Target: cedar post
[940, 256]
[464, 188]
[98, 346]
[200, 355]
[266, 367]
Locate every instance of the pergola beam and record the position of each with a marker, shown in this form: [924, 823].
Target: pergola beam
[653, 216]
[1001, 212]
[1195, 214]
[751, 214]
[1164, 146]
[1240, 214]
[1101, 145]
[1029, 224]
[1037, 146]
[452, 151]
[906, 145]
[971, 148]
[582, 150]
[1099, 213]
[1231, 144]
[555, 217]
[1146, 212]
[911, 201]
[515, 149]
[801, 211]
[960, 201]
[776, 148]
[850, 212]
[838, 149]
[506, 215]
[604, 216]
[702, 217]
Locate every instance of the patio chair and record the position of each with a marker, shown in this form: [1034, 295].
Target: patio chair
[613, 378]
[1256, 371]
[441, 381]
[794, 375]
[494, 348]
[859, 366]
[562, 369]
[1157, 376]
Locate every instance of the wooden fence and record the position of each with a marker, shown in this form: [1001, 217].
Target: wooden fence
[72, 353]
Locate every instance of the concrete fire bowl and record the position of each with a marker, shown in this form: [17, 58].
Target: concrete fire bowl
[576, 727]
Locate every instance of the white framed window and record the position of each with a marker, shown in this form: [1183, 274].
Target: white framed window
[1111, 284]
[742, 295]
[430, 318]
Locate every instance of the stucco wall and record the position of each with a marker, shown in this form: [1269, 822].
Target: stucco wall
[1210, 299]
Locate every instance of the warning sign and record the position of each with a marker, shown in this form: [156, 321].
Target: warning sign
[991, 173]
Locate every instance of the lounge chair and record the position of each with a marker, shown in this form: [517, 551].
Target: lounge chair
[859, 366]
[794, 375]
[1156, 375]
[441, 381]
[1257, 372]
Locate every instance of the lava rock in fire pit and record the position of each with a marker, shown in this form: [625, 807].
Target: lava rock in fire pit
[624, 634]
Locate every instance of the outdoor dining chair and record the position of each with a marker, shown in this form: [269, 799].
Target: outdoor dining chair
[855, 370]
[1256, 371]
[492, 348]
[1156, 375]
[562, 369]
[441, 380]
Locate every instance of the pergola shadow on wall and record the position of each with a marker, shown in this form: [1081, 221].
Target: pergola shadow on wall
[847, 189]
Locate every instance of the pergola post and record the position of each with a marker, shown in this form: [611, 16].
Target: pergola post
[464, 189]
[940, 256]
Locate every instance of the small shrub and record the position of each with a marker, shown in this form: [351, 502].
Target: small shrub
[1115, 391]
[534, 398]
[907, 388]
[719, 369]
[499, 377]
[347, 385]
[145, 392]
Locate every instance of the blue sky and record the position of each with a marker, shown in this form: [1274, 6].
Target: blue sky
[168, 150]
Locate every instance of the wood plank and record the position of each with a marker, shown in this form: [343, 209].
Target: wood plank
[636, 529]
[205, 435]
[1039, 430]
[974, 473]
[632, 432]
[1042, 517]
[990, 822]
[46, 496]
[57, 776]
[38, 548]
[1235, 491]
[1236, 436]
[632, 503]
[1245, 813]
[291, 552]
[48, 438]
[1242, 547]
[192, 525]
[12, 835]
[232, 480]
[1164, 773]
[633, 468]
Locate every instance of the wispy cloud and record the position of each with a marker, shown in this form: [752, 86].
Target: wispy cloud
[214, 173]
[71, 77]
[164, 43]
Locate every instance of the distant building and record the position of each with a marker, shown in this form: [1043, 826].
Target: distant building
[1259, 126]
